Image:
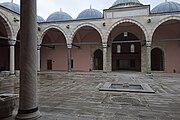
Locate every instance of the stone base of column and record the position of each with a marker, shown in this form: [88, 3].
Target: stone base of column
[12, 74]
[28, 116]
[104, 71]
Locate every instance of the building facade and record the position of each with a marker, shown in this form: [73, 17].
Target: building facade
[127, 36]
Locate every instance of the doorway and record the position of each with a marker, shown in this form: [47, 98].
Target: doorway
[157, 60]
[98, 60]
[49, 64]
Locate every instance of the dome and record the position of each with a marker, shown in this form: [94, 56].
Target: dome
[40, 19]
[125, 2]
[11, 6]
[166, 7]
[59, 16]
[89, 14]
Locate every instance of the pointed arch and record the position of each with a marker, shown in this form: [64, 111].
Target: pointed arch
[85, 25]
[161, 22]
[52, 27]
[129, 21]
[7, 25]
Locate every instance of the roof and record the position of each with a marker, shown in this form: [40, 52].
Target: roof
[166, 7]
[123, 2]
[90, 14]
[59, 16]
[11, 6]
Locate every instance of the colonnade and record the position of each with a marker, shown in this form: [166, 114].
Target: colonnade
[69, 57]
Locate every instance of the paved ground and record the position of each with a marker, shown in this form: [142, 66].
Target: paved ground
[75, 96]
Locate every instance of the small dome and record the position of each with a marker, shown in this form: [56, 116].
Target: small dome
[40, 19]
[166, 7]
[89, 14]
[59, 16]
[126, 2]
[11, 6]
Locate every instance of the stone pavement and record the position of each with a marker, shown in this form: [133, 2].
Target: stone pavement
[75, 96]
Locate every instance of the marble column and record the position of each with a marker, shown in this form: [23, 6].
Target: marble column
[105, 57]
[12, 57]
[38, 58]
[28, 108]
[148, 48]
[69, 58]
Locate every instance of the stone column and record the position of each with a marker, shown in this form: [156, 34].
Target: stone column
[28, 109]
[148, 50]
[105, 57]
[12, 57]
[38, 58]
[69, 57]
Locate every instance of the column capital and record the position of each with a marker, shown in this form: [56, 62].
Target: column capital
[148, 43]
[104, 44]
[69, 46]
[12, 42]
[38, 47]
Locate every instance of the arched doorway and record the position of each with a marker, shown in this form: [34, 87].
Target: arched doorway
[126, 54]
[157, 60]
[98, 60]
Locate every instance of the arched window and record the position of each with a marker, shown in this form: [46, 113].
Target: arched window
[118, 48]
[132, 48]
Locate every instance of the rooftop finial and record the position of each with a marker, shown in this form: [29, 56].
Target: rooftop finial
[11, 1]
[60, 9]
[165, 0]
[90, 7]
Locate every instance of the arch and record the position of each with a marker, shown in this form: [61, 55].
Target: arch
[86, 25]
[98, 60]
[128, 55]
[53, 51]
[129, 21]
[157, 59]
[7, 25]
[52, 27]
[161, 22]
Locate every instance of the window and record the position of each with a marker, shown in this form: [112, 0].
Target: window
[132, 48]
[118, 48]
[125, 34]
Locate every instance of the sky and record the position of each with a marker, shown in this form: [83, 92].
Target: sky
[74, 7]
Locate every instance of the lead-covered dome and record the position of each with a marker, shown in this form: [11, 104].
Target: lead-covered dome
[166, 7]
[40, 19]
[90, 14]
[59, 16]
[11, 6]
[125, 3]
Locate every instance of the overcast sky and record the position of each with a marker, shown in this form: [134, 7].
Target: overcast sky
[74, 7]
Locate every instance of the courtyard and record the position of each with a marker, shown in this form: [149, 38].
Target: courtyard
[75, 96]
